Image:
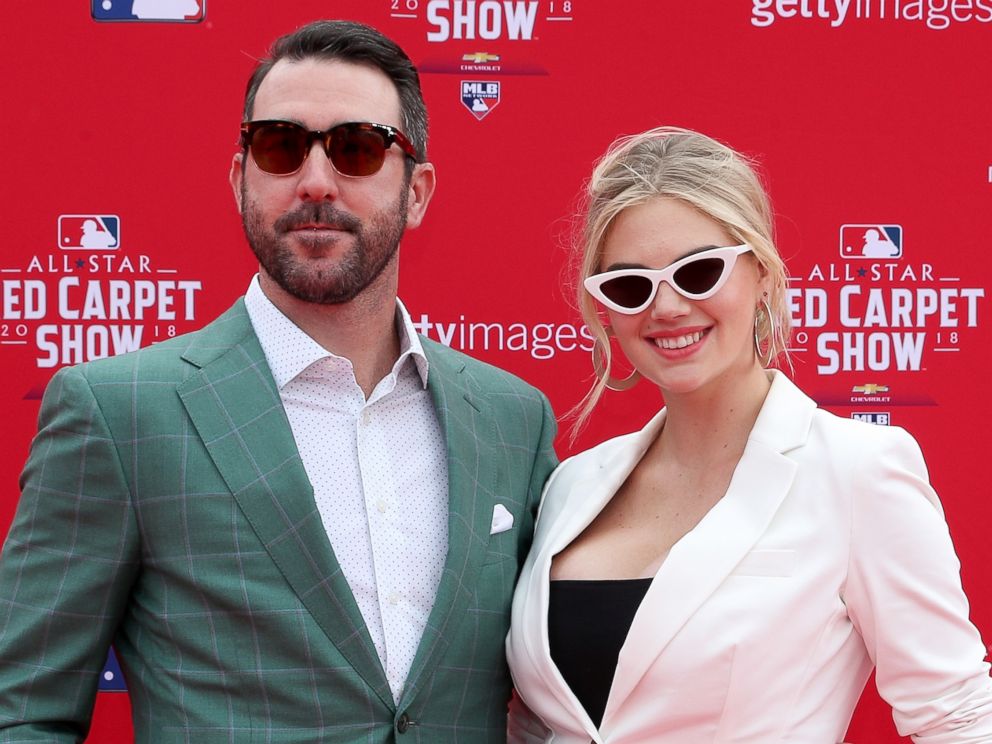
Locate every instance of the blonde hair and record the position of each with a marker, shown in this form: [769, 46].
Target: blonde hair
[705, 174]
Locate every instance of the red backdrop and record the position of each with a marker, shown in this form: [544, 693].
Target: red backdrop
[865, 114]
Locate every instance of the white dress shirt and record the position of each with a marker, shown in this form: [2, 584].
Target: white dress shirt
[379, 472]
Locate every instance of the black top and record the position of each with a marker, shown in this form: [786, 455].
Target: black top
[588, 622]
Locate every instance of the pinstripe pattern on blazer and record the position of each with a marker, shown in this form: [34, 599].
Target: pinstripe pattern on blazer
[165, 509]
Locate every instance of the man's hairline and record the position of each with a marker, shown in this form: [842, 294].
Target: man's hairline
[331, 59]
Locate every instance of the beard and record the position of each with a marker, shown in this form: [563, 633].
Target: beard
[374, 244]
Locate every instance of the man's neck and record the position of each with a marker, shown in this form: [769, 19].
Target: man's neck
[362, 330]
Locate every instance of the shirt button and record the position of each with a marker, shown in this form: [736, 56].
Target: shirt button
[381, 506]
[365, 417]
[393, 598]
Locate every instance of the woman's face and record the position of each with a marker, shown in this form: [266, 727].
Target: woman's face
[683, 345]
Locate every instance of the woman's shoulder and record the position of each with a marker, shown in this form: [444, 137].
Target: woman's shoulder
[863, 458]
[825, 432]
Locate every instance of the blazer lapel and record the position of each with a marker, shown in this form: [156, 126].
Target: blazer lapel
[603, 476]
[590, 489]
[236, 409]
[706, 555]
[469, 430]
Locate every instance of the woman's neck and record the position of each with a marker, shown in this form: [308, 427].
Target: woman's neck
[713, 422]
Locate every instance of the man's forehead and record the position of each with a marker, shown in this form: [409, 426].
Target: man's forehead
[327, 88]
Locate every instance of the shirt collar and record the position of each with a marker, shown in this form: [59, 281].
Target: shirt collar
[289, 350]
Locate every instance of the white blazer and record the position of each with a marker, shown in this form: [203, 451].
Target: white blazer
[827, 556]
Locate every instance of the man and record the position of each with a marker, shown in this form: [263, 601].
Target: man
[302, 523]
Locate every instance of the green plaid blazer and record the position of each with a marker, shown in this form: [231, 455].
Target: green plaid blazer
[165, 510]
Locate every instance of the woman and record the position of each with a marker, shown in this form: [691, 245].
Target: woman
[733, 571]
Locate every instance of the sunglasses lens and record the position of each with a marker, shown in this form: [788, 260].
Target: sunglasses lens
[279, 148]
[699, 276]
[627, 291]
[357, 151]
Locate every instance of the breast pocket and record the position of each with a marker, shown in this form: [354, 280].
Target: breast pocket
[504, 535]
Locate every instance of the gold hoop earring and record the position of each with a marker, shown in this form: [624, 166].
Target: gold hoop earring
[771, 335]
[612, 383]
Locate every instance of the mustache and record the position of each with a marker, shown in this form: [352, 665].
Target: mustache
[317, 214]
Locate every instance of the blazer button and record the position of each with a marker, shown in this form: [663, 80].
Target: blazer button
[403, 724]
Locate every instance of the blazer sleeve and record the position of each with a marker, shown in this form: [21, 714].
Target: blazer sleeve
[904, 595]
[66, 569]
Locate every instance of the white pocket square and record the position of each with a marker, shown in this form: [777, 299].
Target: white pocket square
[502, 520]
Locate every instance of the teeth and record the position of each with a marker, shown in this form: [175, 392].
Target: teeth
[679, 342]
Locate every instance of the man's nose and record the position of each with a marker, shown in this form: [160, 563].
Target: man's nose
[317, 179]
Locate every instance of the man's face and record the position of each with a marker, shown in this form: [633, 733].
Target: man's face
[319, 236]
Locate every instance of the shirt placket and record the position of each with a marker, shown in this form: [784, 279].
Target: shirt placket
[382, 514]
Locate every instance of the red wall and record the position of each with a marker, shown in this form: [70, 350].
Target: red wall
[878, 117]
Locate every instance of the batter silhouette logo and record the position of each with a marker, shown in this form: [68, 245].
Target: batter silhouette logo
[870, 241]
[89, 232]
[175, 11]
[480, 97]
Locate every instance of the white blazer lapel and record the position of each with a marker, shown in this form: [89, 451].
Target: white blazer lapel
[699, 562]
[591, 488]
[587, 492]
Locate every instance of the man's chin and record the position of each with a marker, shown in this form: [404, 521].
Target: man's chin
[318, 287]
[322, 295]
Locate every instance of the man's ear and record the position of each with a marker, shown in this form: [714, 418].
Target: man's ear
[422, 183]
[236, 177]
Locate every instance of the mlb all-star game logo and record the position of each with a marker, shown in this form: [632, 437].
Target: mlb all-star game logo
[91, 298]
[877, 309]
[480, 97]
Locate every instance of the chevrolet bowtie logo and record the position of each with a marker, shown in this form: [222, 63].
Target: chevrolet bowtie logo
[479, 58]
[870, 389]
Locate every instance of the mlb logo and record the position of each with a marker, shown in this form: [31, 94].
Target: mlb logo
[111, 678]
[176, 11]
[879, 418]
[870, 241]
[89, 232]
[480, 97]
